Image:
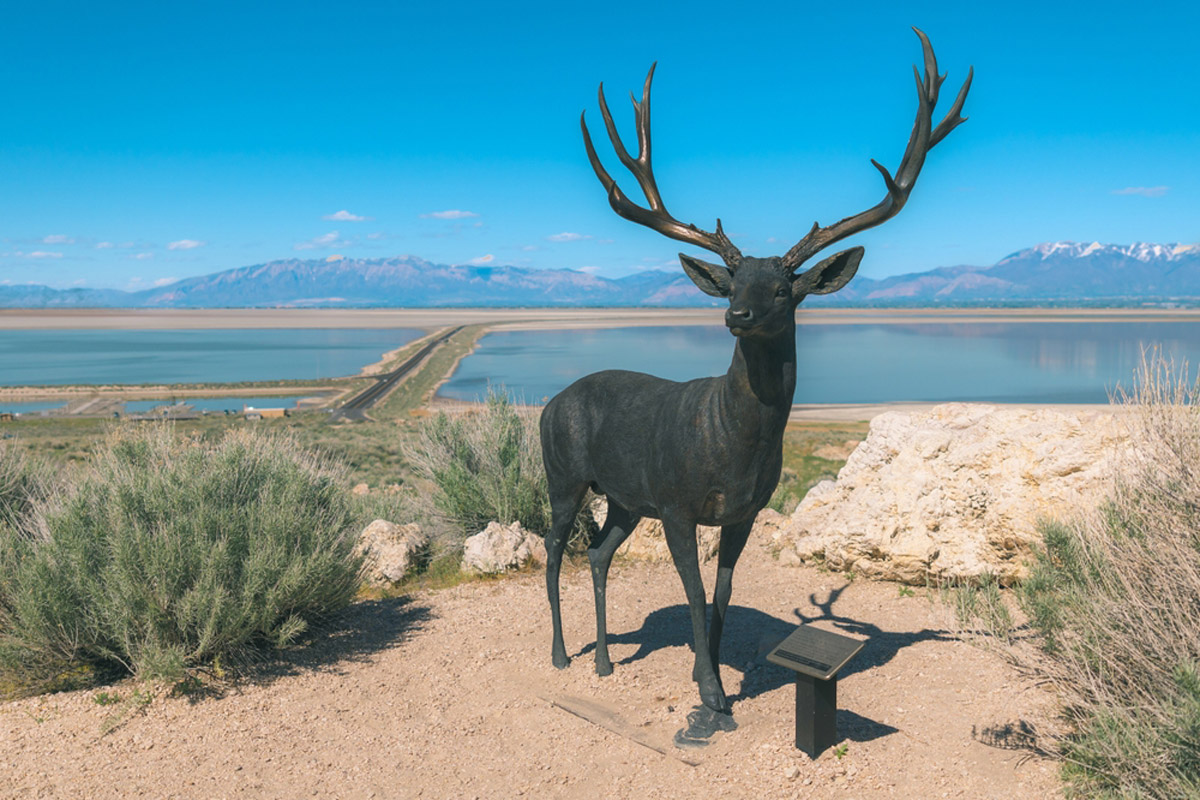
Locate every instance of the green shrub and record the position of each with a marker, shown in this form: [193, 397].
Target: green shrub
[22, 484]
[1115, 595]
[168, 554]
[484, 465]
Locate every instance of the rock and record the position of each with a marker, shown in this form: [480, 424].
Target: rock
[502, 547]
[953, 492]
[648, 543]
[389, 550]
[360, 489]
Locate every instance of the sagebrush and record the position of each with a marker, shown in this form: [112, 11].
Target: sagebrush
[23, 484]
[1115, 595]
[484, 465]
[168, 553]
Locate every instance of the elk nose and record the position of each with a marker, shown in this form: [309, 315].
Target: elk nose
[739, 316]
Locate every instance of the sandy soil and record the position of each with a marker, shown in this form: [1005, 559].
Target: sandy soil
[451, 694]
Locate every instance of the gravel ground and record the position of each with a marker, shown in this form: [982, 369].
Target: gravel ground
[451, 694]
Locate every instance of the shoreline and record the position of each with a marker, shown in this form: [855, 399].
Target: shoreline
[432, 319]
[491, 320]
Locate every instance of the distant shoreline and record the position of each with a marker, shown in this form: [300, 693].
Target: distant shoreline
[540, 318]
[519, 319]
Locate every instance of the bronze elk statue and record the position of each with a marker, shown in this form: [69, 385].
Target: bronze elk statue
[706, 451]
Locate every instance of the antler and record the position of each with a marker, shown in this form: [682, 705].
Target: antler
[924, 137]
[655, 217]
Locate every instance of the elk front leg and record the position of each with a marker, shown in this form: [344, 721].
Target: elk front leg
[681, 541]
[618, 524]
[733, 540]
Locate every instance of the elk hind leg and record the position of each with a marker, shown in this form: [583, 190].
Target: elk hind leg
[618, 524]
[564, 506]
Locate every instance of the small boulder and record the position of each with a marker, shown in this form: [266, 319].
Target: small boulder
[501, 547]
[389, 550]
[649, 543]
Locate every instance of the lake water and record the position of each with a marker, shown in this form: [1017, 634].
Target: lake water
[61, 357]
[1033, 362]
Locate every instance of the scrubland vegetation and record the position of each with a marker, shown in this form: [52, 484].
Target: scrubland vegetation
[1115, 598]
[1112, 610]
[168, 553]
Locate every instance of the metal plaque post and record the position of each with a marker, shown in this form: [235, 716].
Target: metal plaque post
[815, 656]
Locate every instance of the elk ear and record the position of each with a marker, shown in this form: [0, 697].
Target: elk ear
[830, 275]
[711, 278]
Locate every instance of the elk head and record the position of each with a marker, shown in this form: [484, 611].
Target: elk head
[763, 292]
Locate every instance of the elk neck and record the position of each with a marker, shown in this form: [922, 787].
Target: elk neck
[761, 379]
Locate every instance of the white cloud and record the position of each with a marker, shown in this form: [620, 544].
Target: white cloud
[42, 254]
[346, 216]
[143, 256]
[453, 213]
[185, 244]
[58, 238]
[104, 245]
[1144, 191]
[589, 270]
[320, 242]
[481, 260]
[163, 282]
[529, 248]
[376, 235]
[567, 236]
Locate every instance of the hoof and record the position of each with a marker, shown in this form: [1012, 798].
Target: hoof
[712, 694]
[560, 661]
[604, 669]
[716, 703]
[714, 699]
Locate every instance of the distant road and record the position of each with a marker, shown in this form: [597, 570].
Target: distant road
[356, 407]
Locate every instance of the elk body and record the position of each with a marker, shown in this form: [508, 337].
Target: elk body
[707, 451]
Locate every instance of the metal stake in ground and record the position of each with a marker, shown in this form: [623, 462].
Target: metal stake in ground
[816, 656]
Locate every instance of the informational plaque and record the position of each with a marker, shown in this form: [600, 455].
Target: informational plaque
[816, 656]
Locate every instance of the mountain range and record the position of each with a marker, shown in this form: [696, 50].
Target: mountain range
[1056, 273]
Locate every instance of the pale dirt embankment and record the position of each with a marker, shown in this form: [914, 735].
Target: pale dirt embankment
[450, 694]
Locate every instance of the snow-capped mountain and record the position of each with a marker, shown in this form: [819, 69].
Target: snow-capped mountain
[1054, 273]
[1058, 273]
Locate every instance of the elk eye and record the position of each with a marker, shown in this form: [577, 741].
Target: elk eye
[782, 292]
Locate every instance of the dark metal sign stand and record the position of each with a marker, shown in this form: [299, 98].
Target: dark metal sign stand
[816, 656]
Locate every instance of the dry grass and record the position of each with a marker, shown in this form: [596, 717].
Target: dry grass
[1115, 595]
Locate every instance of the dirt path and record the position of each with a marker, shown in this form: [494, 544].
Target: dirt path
[449, 694]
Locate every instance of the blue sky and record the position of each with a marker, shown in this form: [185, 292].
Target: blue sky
[147, 142]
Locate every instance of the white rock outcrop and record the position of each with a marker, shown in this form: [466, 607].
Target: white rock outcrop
[502, 547]
[389, 550]
[648, 542]
[953, 492]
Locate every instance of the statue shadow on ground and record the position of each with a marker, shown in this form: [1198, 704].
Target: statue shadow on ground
[751, 634]
[353, 634]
